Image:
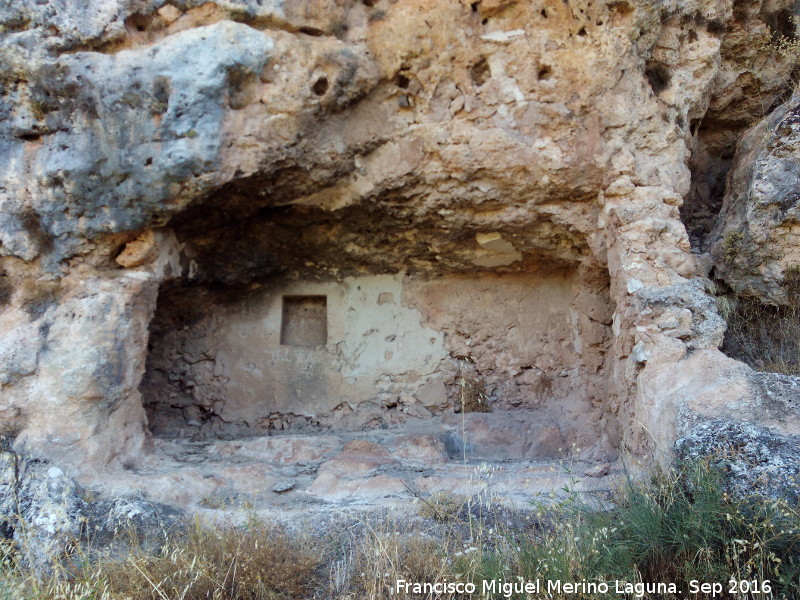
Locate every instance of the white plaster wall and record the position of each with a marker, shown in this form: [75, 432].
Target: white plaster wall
[376, 348]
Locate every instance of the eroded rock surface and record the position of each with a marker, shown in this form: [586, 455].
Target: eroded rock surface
[190, 187]
[757, 461]
[755, 244]
[49, 515]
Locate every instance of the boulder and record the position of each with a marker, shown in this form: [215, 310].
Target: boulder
[756, 242]
[49, 516]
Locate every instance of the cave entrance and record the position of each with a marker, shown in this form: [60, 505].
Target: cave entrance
[298, 321]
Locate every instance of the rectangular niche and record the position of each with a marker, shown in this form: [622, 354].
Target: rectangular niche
[304, 321]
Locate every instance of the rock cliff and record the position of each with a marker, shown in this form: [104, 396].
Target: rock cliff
[234, 217]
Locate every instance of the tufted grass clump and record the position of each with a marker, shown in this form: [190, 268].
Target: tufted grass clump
[683, 525]
[679, 526]
[255, 563]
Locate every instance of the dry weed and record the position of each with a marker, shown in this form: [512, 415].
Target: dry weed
[765, 337]
[260, 562]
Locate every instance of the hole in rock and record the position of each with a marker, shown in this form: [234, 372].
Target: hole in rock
[545, 72]
[782, 24]
[320, 86]
[480, 72]
[313, 31]
[140, 23]
[658, 77]
[711, 160]
[161, 92]
[621, 6]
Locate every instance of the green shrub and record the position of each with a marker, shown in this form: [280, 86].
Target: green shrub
[679, 526]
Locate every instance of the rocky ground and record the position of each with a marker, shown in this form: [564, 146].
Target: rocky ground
[301, 481]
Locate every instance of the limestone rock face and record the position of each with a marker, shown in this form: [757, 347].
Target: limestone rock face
[714, 395]
[48, 514]
[756, 460]
[236, 217]
[756, 241]
[41, 508]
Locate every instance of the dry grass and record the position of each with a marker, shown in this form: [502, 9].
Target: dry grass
[474, 397]
[257, 562]
[788, 46]
[680, 525]
[765, 337]
[386, 555]
[442, 507]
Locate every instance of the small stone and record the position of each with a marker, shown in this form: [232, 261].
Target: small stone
[622, 186]
[503, 37]
[138, 252]
[283, 486]
[169, 13]
[598, 471]
[634, 285]
[640, 353]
